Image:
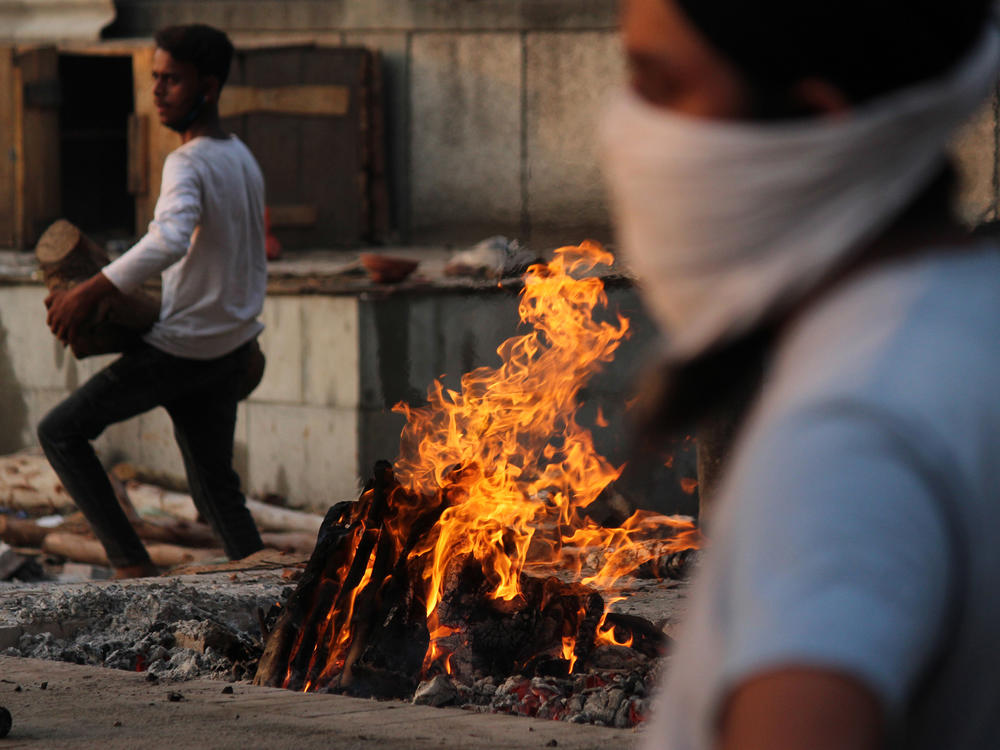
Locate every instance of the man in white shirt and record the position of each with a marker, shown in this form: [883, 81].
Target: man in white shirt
[207, 242]
[778, 171]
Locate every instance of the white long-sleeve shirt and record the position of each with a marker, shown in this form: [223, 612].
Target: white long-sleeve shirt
[207, 240]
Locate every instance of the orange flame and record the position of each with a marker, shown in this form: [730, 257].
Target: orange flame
[608, 637]
[512, 430]
[569, 650]
[606, 633]
[506, 456]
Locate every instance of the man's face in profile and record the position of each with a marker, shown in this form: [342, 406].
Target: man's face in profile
[177, 87]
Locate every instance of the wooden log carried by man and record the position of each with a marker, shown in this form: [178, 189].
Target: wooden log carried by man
[67, 256]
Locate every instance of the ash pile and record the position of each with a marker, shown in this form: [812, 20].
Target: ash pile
[170, 630]
[614, 697]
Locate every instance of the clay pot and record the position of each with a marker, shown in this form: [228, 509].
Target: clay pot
[386, 269]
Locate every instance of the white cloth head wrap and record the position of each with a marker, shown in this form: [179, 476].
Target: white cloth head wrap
[725, 222]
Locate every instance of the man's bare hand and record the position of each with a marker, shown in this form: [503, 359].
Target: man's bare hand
[69, 308]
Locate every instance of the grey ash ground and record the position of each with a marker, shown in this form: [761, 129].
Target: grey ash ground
[207, 626]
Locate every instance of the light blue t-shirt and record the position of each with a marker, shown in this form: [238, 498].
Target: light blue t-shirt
[858, 528]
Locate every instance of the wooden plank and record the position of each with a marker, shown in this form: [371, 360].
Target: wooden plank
[138, 154]
[286, 100]
[378, 188]
[276, 139]
[38, 168]
[301, 215]
[312, 153]
[8, 113]
[339, 181]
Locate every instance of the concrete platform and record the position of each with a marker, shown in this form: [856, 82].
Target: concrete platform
[83, 707]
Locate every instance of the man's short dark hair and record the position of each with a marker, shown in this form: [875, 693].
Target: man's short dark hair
[207, 48]
[864, 47]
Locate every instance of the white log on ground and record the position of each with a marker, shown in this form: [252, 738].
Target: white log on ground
[149, 499]
[28, 484]
[82, 549]
[10, 561]
[299, 542]
[274, 518]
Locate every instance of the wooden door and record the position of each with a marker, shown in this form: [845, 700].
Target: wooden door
[29, 143]
[312, 117]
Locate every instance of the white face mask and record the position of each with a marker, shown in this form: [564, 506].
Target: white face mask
[724, 223]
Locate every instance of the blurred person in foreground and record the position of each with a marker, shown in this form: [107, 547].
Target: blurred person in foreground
[206, 243]
[779, 177]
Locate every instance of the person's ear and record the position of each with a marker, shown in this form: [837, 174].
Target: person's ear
[211, 88]
[820, 97]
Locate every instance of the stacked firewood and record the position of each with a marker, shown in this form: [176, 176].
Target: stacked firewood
[37, 515]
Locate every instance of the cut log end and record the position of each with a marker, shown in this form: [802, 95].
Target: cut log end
[57, 242]
[67, 255]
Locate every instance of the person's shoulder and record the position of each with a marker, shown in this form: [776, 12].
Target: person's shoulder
[915, 339]
[948, 301]
[232, 143]
[189, 155]
[181, 165]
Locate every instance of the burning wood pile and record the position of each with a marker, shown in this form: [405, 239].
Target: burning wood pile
[469, 571]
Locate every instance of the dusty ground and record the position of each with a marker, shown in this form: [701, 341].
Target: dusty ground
[59, 706]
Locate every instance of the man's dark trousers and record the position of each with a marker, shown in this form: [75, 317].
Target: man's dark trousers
[201, 397]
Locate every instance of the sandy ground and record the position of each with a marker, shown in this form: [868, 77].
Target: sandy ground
[59, 706]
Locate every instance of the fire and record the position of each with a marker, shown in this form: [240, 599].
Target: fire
[606, 633]
[510, 468]
[569, 650]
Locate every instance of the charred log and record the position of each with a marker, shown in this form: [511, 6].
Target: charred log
[356, 583]
[522, 636]
[273, 666]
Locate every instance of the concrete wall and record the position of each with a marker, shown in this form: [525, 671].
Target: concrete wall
[322, 415]
[491, 104]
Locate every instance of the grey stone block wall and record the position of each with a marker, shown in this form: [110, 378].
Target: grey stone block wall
[567, 81]
[465, 114]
